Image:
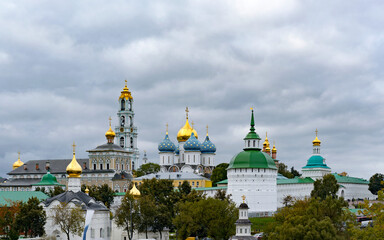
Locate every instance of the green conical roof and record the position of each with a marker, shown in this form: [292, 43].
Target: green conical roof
[252, 134]
[251, 158]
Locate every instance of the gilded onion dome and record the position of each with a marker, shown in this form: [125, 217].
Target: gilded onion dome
[207, 146]
[166, 145]
[274, 150]
[110, 134]
[266, 142]
[18, 163]
[317, 141]
[125, 94]
[135, 192]
[186, 131]
[192, 144]
[74, 169]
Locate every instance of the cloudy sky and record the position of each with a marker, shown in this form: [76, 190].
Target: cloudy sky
[302, 65]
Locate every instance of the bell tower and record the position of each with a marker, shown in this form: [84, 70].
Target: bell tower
[126, 131]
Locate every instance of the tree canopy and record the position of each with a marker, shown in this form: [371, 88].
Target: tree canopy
[219, 173]
[102, 193]
[376, 183]
[147, 169]
[70, 219]
[33, 218]
[326, 186]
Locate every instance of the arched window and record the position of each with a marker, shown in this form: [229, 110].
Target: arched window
[133, 166]
[122, 104]
[130, 121]
[249, 143]
[107, 165]
[131, 142]
[101, 166]
[122, 166]
[254, 142]
[101, 233]
[122, 142]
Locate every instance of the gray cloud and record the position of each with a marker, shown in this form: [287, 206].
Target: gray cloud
[301, 65]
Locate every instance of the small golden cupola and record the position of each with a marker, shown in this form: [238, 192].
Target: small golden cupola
[266, 147]
[186, 131]
[110, 134]
[18, 163]
[74, 169]
[274, 150]
[317, 141]
[135, 192]
[125, 94]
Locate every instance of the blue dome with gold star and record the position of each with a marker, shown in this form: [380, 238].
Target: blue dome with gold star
[177, 151]
[166, 145]
[207, 146]
[192, 144]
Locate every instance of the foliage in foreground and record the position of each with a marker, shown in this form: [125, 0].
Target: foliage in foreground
[147, 169]
[376, 183]
[69, 218]
[103, 193]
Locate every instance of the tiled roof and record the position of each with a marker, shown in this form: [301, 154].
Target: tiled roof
[6, 196]
[211, 188]
[346, 179]
[20, 182]
[296, 180]
[56, 166]
[70, 196]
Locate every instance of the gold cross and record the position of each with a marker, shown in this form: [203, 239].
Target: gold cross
[110, 119]
[18, 153]
[207, 130]
[186, 111]
[74, 147]
[125, 82]
[167, 127]
[316, 132]
[243, 197]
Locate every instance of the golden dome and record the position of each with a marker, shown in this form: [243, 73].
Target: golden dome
[317, 141]
[18, 163]
[266, 142]
[110, 134]
[74, 168]
[126, 94]
[186, 131]
[134, 191]
[274, 150]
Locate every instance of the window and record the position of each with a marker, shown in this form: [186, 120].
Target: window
[245, 230]
[193, 184]
[101, 233]
[122, 104]
[94, 166]
[249, 143]
[107, 165]
[122, 166]
[197, 184]
[101, 166]
[92, 233]
[131, 142]
[241, 230]
[122, 142]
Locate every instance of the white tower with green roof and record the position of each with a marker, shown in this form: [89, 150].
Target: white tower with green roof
[252, 173]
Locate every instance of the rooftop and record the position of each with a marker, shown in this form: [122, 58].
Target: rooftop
[13, 196]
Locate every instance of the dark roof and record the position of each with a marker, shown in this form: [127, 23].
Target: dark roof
[243, 238]
[55, 165]
[243, 206]
[68, 196]
[108, 147]
[20, 182]
[243, 221]
[122, 175]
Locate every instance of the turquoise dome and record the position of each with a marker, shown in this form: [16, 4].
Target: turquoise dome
[167, 145]
[207, 146]
[252, 158]
[192, 144]
[316, 161]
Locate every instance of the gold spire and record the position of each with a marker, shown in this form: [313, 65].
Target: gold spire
[207, 130]
[110, 134]
[126, 94]
[74, 168]
[186, 131]
[316, 142]
[135, 192]
[167, 129]
[18, 163]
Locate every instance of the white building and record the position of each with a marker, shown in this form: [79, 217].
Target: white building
[190, 155]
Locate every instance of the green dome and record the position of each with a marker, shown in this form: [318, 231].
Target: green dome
[316, 161]
[47, 180]
[252, 158]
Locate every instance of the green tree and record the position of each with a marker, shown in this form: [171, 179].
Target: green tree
[33, 219]
[55, 191]
[219, 173]
[69, 219]
[206, 217]
[102, 193]
[376, 211]
[312, 219]
[294, 172]
[325, 186]
[147, 209]
[376, 183]
[185, 188]
[222, 195]
[287, 200]
[283, 170]
[147, 169]
[126, 215]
